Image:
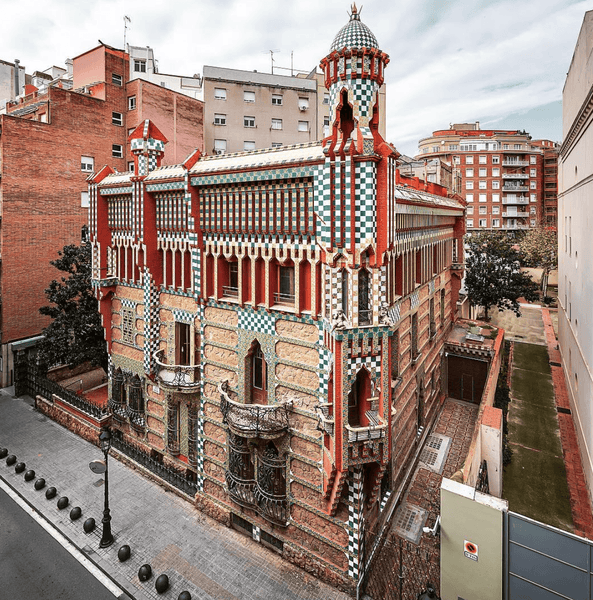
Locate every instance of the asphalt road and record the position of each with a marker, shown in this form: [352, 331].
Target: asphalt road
[34, 565]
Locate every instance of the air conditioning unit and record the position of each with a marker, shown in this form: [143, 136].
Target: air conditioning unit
[303, 108]
[218, 151]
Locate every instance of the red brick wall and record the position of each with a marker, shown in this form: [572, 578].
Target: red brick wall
[41, 186]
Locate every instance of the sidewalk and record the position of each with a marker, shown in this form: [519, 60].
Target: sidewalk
[198, 554]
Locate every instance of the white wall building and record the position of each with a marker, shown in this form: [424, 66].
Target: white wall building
[575, 252]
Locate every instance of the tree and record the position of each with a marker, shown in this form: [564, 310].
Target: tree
[493, 275]
[75, 335]
[539, 248]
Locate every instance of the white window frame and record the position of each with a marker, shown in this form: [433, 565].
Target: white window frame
[495, 172]
[469, 197]
[277, 100]
[469, 185]
[469, 172]
[87, 163]
[85, 201]
[533, 160]
[248, 145]
[496, 160]
[532, 172]
[495, 222]
[495, 184]
[483, 197]
[469, 210]
[303, 126]
[116, 79]
[483, 159]
[249, 121]
[483, 172]
[249, 96]
[496, 210]
[131, 102]
[470, 222]
[117, 119]
[495, 197]
[139, 65]
[483, 184]
[219, 119]
[220, 93]
[533, 185]
[276, 124]
[533, 197]
[483, 210]
[303, 103]
[220, 146]
[276, 144]
[482, 222]
[117, 151]
[469, 160]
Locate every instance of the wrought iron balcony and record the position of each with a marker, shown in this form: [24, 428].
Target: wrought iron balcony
[375, 430]
[270, 491]
[137, 418]
[180, 378]
[286, 299]
[253, 420]
[229, 291]
[241, 490]
[118, 410]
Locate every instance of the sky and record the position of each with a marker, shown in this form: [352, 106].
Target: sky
[500, 62]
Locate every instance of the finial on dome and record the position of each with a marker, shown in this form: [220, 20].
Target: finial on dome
[355, 15]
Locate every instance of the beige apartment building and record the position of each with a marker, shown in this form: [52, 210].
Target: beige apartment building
[248, 110]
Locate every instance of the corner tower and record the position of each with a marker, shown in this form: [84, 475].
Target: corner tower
[354, 72]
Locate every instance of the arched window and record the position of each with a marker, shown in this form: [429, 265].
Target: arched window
[358, 399]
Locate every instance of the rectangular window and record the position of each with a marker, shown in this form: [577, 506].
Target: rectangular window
[414, 335]
[277, 99]
[303, 104]
[453, 147]
[495, 184]
[219, 146]
[483, 184]
[470, 222]
[285, 294]
[326, 121]
[219, 119]
[483, 172]
[469, 197]
[532, 210]
[87, 163]
[469, 185]
[116, 79]
[532, 185]
[533, 160]
[483, 210]
[469, 210]
[84, 200]
[457, 160]
[303, 125]
[532, 222]
[496, 160]
[117, 118]
[248, 145]
[220, 93]
[483, 197]
[532, 172]
[131, 166]
[117, 151]
[248, 96]
[496, 210]
[131, 102]
[533, 197]
[276, 123]
[182, 343]
[139, 66]
[326, 98]
[495, 222]
[482, 223]
[469, 160]
[495, 197]
[469, 172]
[505, 146]
[483, 159]
[276, 144]
[495, 172]
[248, 121]
[518, 146]
[128, 321]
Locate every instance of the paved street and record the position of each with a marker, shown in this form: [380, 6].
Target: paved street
[34, 565]
[198, 554]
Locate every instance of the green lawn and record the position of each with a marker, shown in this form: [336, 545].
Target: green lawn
[535, 481]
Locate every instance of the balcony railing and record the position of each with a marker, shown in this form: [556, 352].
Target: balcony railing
[515, 215]
[253, 420]
[230, 291]
[270, 490]
[326, 421]
[241, 490]
[515, 176]
[181, 378]
[520, 150]
[515, 226]
[365, 317]
[375, 430]
[515, 163]
[515, 200]
[514, 188]
[286, 299]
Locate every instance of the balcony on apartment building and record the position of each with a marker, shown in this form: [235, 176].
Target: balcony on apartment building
[515, 176]
[511, 199]
[254, 420]
[509, 162]
[512, 215]
[514, 226]
[179, 378]
[517, 149]
[514, 188]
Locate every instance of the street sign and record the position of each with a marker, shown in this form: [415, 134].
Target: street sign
[97, 466]
[470, 550]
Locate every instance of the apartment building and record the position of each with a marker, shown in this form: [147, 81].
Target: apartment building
[247, 110]
[276, 319]
[433, 170]
[575, 242]
[74, 132]
[502, 174]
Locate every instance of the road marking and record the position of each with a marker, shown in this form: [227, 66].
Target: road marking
[90, 566]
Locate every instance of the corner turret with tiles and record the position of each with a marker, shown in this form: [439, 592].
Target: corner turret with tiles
[276, 321]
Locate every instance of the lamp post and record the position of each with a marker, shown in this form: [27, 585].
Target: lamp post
[107, 537]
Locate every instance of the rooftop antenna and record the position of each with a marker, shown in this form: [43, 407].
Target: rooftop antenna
[272, 58]
[126, 21]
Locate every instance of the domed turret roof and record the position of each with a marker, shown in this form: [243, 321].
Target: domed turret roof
[355, 34]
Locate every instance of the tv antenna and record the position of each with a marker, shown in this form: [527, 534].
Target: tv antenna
[272, 58]
[126, 21]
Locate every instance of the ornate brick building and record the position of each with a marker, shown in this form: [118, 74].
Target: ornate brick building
[276, 320]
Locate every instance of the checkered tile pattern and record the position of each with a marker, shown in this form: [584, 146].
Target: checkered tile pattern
[415, 300]
[364, 91]
[348, 200]
[116, 191]
[245, 177]
[366, 216]
[355, 522]
[259, 321]
[182, 316]
[372, 363]
[151, 321]
[127, 303]
[326, 360]
[431, 286]
[394, 313]
[200, 452]
[355, 34]
[323, 202]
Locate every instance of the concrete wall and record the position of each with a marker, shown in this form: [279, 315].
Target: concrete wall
[469, 516]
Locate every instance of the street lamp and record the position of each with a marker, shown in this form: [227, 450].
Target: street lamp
[107, 537]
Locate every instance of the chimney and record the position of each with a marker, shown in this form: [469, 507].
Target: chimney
[17, 87]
